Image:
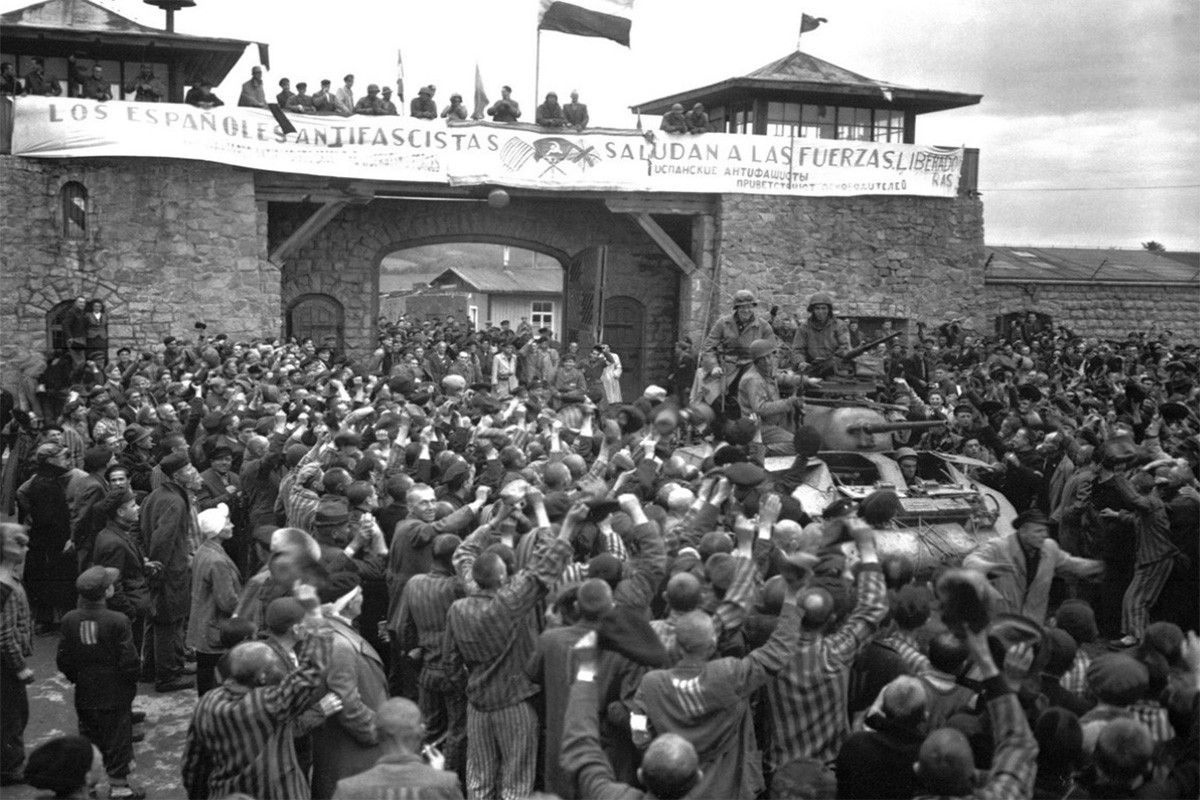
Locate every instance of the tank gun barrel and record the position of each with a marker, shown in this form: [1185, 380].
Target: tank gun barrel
[858, 351]
[891, 427]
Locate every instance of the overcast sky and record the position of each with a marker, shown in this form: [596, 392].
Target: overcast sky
[1087, 104]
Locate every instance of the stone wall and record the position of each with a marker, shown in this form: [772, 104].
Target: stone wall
[1107, 311]
[914, 257]
[342, 260]
[168, 242]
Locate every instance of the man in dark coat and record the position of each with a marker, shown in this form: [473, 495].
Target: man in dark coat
[96, 653]
[50, 567]
[117, 547]
[166, 519]
[877, 762]
[87, 515]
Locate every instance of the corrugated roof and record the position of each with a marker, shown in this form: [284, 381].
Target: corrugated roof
[1088, 264]
[505, 281]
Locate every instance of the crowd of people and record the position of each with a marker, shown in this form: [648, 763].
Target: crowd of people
[379, 100]
[467, 565]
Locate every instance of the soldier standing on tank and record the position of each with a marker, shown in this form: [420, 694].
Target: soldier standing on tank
[822, 339]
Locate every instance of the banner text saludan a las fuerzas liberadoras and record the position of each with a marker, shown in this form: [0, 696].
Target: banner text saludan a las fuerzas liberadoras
[470, 153]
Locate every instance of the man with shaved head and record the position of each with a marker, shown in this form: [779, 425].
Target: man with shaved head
[240, 736]
[670, 765]
[707, 700]
[945, 765]
[401, 767]
[491, 634]
[875, 762]
[424, 604]
[809, 698]
[682, 595]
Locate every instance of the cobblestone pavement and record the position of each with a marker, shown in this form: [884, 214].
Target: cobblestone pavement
[52, 713]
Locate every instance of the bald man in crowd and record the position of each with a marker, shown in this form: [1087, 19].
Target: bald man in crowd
[401, 767]
[670, 767]
[240, 736]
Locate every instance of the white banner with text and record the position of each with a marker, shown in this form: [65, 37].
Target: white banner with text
[404, 149]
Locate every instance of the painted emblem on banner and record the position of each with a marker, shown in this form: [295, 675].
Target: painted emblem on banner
[552, 151]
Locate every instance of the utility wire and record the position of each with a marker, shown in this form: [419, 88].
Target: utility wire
[1095, 188]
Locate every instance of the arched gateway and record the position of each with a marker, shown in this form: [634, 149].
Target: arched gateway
[335, 249]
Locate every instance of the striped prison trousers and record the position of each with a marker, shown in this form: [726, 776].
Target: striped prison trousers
[501, 752]
[1147, 584]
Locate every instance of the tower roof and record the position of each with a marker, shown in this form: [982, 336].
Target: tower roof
[800, 75]
[63, 27]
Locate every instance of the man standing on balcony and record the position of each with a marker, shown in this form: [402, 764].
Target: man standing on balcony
[252, 91]
[146, 88]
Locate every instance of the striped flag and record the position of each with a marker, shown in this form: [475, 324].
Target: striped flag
[481, 98]
[605, 19]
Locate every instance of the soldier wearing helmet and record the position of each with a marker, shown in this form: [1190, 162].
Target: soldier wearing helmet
[732, 334]
[821, 339]
[758, 399]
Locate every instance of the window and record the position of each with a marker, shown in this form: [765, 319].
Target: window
[741, 118]
[889, 125]
[74, 210]
[817, 122]
[783, 119]
[541, 314]
[854, 124]
[716, 118]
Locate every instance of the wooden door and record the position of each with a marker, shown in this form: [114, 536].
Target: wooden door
[624, 333]
[318, 317]
[583, 292]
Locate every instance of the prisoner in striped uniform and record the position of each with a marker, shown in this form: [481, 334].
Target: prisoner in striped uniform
[808, 698]
[490, 634]
[240, 736]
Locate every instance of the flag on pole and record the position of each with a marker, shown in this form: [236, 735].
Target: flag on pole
[481, 98]
[399, 78]
[808, 23]
[605, 19]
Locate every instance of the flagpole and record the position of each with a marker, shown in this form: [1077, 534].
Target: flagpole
[800, 31]
[537, 70]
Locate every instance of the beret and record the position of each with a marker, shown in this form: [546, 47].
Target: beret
[1078, 619]
[173, 462]
[60, 765]
[95, 457]
[745, 474]
[332, 511]
[213, 421]
[1060, 648]
[880, 507]
[94, 581]
[606, 567]
[1118, 679]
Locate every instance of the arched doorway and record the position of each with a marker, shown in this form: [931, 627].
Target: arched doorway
[624, 333]
[56, 332]
[318, 317]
